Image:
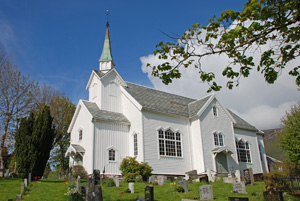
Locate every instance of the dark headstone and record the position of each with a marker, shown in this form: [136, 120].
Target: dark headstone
[184, 185]
[149, 193]
[248, 175]
[89, 189]
[273, 196]
[98, 193]
[96, 176]
[10, 199]
[204, 178]
[29, 178]
[83, 192]
[238, 199]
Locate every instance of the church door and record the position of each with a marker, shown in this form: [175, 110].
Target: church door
[221, 163]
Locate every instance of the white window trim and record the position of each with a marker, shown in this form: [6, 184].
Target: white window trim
[181, 143]
[80, 130]
[223, 138]
[135, 149]
[249, 149]
[116, 152]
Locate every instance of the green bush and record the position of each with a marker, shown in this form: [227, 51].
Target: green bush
[155, 183]
[276, 180]
[179, 189]
[131, 168]
[110, 182]
[79, 170]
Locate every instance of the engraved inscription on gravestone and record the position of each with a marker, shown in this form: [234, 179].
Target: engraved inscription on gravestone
[206, 192]
[239, 187]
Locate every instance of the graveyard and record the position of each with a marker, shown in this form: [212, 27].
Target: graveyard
[55, 189]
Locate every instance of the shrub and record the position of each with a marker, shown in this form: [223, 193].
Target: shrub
[130, 169]
[179, 189]
[110, 182]
[79, 170]
[155, 183]
[276, 181]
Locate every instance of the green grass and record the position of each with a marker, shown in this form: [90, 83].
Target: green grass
[54, 190]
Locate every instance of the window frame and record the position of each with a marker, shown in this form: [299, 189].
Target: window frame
[135, 144]
[243, 151]
[169, 143]
[215, 111]
[80, 134]
[112, 155]
[218, 139]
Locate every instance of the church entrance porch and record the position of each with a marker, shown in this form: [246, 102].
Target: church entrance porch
[221, 163]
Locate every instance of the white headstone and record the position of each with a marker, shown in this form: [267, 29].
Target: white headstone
[161, 180]
[117, 181]
[131, 187]
[78, 184]
[25, 182]
[206, 192]
[239, 187]
[238, 175]
[151, 179]
[210, 179]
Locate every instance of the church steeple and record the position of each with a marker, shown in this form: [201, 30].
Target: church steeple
[106, 61]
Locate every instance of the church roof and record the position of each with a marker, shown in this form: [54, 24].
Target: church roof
[103, 115]
[106, 52]
[163, 102]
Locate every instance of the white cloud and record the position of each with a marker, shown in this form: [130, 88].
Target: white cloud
[259, 103]
[7, 36]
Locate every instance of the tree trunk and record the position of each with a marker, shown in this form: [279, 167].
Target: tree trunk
[1, 164]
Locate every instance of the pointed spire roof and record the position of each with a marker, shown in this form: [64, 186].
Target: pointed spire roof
[106, 52]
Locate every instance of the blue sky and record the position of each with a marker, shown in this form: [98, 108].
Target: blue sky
[59, 42]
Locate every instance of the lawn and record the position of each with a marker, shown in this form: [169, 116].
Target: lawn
[54, 190]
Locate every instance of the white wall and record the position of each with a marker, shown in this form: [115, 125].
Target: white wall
[223, 124]
[165, 165]
[83, 121]
[263, 153]
[108, 136]
[197, 146]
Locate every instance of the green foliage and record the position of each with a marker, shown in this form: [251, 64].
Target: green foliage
[290, 135]
[179, 189]
[130, 169]
[79, 170]
[110, 182]
[276, 181]
[34, 141]
[260, 22]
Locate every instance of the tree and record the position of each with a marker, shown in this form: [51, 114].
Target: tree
[16, 100]
[237, 35]
[62, 110]
[34, 141]
[289, 137]
[131, 168]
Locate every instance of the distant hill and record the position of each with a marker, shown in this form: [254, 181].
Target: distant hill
[272, 145]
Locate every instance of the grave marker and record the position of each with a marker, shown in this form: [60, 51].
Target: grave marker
[184, 185]
[273, 195]
[161, 180]
[238, 199]
[117, 181]
[131, 187]
[248, 175]
[98, 193]
[25, 182]
[78, 184]
[19, 197]
[22, 188]
[206, 192]
[151, 179]
[29, 178]
[83, 192]
[96, 176]
[239, 187]
[149, 194]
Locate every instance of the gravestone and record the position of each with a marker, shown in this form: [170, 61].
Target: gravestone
[89, 189]
[117, 181]
[25, 182]
[151, 179]
[239, 187]
[22, 188]
[19, 197]
[29, 178]
[131, 187]
[6, 175]
[78, 184]
[184, 185]
[149, 193]
[161, 180]
[98, 193]
[96, 176]
[206, 192]
[192, 175]
[273, 196]
[238, 175]
[83, 192]
[238, 199]
[210, 178]
[248, 175]
[204, 178]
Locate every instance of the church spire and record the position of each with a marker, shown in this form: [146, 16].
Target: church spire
[106, 61]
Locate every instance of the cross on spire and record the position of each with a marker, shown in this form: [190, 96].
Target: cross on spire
[107, 14]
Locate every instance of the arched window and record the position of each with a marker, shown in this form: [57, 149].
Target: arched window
[243, 151]
[135, 144]
[169, 143]
[111, 155]
[218, 139]
[215, 111]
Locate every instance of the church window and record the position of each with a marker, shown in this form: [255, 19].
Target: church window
[135, 144]
[111, 155]
[169, 143]
[215, 111]
[80, 134]
[243, 151]
[218, 139]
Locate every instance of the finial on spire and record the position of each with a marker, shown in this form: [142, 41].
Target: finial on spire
[107, 14]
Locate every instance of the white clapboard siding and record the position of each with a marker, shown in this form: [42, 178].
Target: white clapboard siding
[108, 135]
[165, 165]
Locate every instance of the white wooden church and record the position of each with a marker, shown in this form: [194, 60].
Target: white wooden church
[174, 134]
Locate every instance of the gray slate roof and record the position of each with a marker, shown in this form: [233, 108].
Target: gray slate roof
[103, 115]
[163, 102]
